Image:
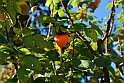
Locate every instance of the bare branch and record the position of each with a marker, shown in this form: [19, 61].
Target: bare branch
[110, 21]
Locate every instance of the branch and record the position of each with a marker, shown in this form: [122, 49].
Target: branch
[110, 20]
[68, 15]
[78, 33]
[87, 43]
[54, 68]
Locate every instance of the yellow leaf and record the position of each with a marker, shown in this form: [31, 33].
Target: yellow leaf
[81, 13]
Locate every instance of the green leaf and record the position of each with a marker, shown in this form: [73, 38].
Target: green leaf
[111, 72]
[121, 20]
[84, 51]
[11, 10]
[97, 29]
[109, 6]
[27, 31]
[12, 13]
[28, 41]
[38, 50]
[74, 4]
[2, 60]
[48, 2]
[61, 13]
[30, 62]
[102, 61]
[13, 20]
[5, 52]
[51, 7]
[81, 64]
[25, 51]
[40, 80]
[77, 27]
[23, 74]
[116, 58]
[33, 2]
[45, 19]
[90, 17]
[17, 30]
[2, 39]
[94, 45]
[91, 33]
[12, 80]
[39, 41]
[56, 1]
[53, 55]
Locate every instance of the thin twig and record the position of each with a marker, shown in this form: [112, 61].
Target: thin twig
[68, 15]
[87, 43]
[49, 30]
[31, 79]
[73, 45]
[54, 68]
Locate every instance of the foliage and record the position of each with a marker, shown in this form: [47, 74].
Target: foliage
[27, 56]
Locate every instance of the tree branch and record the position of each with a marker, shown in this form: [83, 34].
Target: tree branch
[110, 20]
[54, 68]
[78, 33]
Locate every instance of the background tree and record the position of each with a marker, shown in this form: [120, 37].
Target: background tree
[29, 54]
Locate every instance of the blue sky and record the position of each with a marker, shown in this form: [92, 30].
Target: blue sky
[101, 11]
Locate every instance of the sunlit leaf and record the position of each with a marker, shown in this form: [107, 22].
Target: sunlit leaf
[94, 45]
[81, 13]
[91, 33]
[48, 2]
[81, 64]
[108, 7]
[61, 13]
[56, 1]
[25, 51]
[74, 4]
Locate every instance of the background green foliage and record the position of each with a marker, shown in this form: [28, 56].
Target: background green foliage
[29, 57]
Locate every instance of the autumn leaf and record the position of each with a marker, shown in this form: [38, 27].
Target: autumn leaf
[2, 18]
[93, 5]
[22, 7]
[120, 37]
